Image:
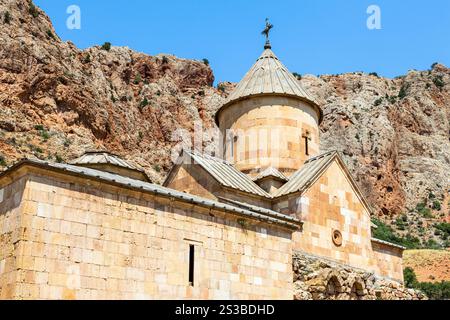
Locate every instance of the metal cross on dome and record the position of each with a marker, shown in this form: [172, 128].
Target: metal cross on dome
[266, 33]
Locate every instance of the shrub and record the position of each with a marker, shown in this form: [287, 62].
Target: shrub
[434, 65]
[157, 168]
[386, 233]
[439, 81]
[424, 210]
[436, 205]
[33, 10]
[45, 135]
[378, 102]
[403, 92]
[206, 61]
[221, 88]
[165, 60]
[87, 58]
[444, 227]
[432, 244]
[392, 99]
[144, 103]
[374, 74]
[7, 17]
[137, 78]
[50, 34]
[434, 291]
[426, 213]
[297, 75]
[2, 161]
[58, 158]
[106, 46]
[400, 224]
[410, 278]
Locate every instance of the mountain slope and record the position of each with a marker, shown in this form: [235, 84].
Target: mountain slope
[57, 101]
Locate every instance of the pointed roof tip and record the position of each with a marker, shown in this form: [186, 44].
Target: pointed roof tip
[269, 76]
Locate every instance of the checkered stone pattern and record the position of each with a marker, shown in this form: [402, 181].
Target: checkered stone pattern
[84, 239]
[270, 132]
[331, 204]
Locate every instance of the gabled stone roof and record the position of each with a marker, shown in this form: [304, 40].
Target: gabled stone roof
[226, 174]
[103, 157]
[126, 182]
[271, 172]
[304, 177]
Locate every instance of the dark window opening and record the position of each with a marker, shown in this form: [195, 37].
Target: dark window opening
[191, 264]
[307, 146]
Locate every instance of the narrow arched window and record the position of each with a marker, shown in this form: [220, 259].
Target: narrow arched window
[306, 138]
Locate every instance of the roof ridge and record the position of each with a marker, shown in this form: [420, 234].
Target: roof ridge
[205, 155]
[321, 156]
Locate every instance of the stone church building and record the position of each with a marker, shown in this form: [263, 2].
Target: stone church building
[245, 224]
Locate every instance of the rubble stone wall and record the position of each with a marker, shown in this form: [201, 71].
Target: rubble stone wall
[321, 279]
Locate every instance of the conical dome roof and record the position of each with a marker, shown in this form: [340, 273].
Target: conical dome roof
[269, 76]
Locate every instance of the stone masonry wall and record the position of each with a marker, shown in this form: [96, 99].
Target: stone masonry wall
[83, 239]
[332, 204]
[321, 279]
[10, 216]
[269, 133]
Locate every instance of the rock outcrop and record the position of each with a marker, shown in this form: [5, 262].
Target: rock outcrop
[320, 279]
[56, 101]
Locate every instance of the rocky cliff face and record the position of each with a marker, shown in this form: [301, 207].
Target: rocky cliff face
[57, 101]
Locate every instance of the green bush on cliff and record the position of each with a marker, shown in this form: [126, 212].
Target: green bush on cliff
[386, 233]
[106, 46]
[410, 278]
[33, 10]
[439, 81]
[437, 205]
[2, 161]
[444, 229]
[434, 291]
[7, 17]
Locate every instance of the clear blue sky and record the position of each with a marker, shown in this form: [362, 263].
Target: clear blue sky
[310, 36]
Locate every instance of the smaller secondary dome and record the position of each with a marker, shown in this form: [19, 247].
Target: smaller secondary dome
[269, 76]
[109, 162]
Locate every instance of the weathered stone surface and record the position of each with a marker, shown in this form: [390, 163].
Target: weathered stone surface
[130, 103]
[319, 279]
